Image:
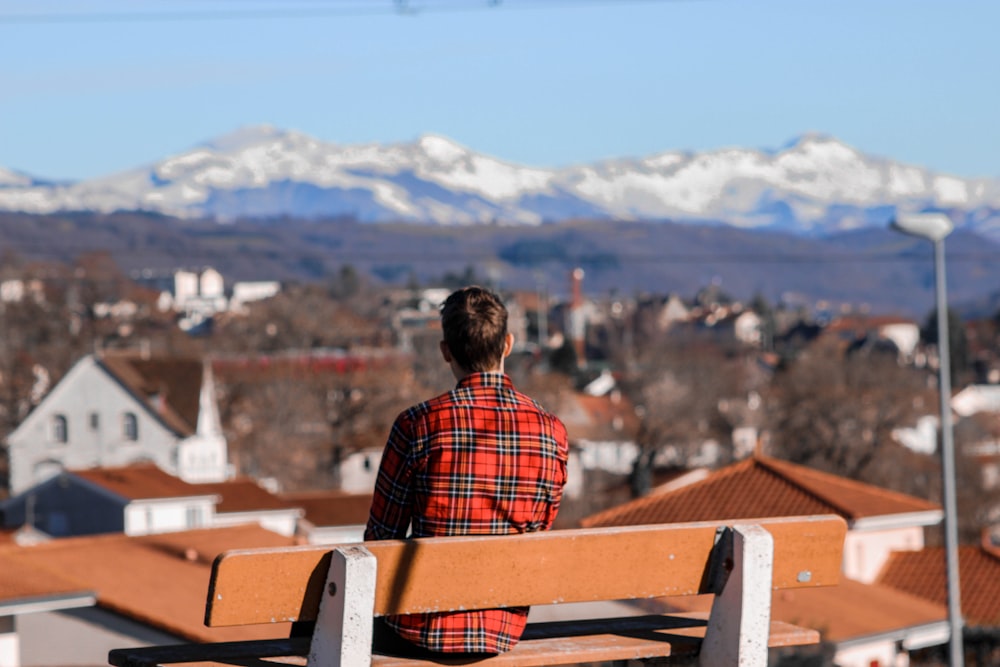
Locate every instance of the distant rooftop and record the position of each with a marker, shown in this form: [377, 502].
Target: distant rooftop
[850, 610]
[158, 580]
[141, 481]
[922, 573]
[332, 508]
[761, 487]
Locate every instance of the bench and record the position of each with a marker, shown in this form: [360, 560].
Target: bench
[335, 592]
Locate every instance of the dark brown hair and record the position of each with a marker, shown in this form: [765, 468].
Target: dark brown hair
[474, 321]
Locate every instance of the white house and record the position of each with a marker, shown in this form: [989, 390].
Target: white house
[976, 398]
[116, 409]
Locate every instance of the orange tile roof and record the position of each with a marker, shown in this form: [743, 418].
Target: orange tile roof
[21, 580]
[174, 383]
[761, 487]
[140, 481]
[848, 611]
[242, 495]
[158, 580]
[922, 573]
[332, 508]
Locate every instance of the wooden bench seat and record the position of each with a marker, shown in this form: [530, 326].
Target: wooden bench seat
[340, 589]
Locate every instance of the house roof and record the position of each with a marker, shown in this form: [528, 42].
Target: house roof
[922, 573]
[762, 487]
[850, 610]
[140, 481]
[22, 580]
[159, 580]
[243, 495]
[332, 508]
[608, 417]
[170, 387]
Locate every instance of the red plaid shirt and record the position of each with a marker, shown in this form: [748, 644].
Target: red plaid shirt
[482, 459]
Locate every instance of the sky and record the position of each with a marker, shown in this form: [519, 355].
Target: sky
[89, 88]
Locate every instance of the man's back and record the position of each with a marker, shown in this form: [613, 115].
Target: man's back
[480, 459]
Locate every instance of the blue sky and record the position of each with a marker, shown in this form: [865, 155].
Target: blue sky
[89, 88]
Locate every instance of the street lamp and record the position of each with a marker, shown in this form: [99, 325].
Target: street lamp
[935, 227]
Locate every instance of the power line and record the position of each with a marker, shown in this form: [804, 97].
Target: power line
[323, 9]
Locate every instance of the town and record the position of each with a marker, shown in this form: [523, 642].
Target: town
[150, 421]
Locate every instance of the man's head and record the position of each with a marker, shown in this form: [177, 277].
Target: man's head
[474, 321]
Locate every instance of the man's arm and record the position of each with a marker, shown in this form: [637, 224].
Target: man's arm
[392, 503]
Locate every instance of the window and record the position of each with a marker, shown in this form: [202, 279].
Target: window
[95, 421]
[130, 426]
[60, 429]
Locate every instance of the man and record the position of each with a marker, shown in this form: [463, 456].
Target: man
[481, 459]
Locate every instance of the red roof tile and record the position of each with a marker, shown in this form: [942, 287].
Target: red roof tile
[140, 481]
[332, 508]
[159, 580]
[847, 611]
[761, 487]
[243, 495]
[21, 580]
[922, 573]
[171, 387]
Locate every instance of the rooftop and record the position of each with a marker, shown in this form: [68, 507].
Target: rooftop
[851, 610]
[922, 573]
[164, 585]
[141, 481]
[170, 387]
[332, 508]
[761, 487]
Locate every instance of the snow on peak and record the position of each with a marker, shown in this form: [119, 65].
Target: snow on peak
[10, 178]
[810, 181]
[441, 149]
[244, 137]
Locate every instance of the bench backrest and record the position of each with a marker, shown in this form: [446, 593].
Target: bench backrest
[442, 574]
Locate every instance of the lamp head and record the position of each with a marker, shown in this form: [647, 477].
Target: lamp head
[930, 226]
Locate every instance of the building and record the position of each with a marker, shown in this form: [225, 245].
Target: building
[331, 517]
[112, 409]
[70, 601]
[142, 499]
[866, 622]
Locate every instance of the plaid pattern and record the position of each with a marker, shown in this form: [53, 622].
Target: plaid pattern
[482, 459]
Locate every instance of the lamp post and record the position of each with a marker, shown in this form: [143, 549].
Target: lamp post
[935, 227]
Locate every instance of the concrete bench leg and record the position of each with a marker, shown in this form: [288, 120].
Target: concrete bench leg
[343, 634]
[740, 620]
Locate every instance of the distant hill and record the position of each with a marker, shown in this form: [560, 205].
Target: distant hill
[890, 272]
[815, 185]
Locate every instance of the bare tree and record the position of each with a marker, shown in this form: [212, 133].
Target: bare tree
[677, 389]
[837, 413]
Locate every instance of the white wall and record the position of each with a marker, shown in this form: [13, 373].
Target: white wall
[86, 391]
[80, 637]
[865, 655]
[613, 457]
[276, 521]
[163, 516]
[10, 654]
[337, 534]
[203, 458]
[865, 552]
[359, 470]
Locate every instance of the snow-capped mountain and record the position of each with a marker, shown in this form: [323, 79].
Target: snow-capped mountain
[813, 184]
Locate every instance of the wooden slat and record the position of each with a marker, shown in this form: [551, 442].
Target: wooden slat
[441, 574]
[559, 643]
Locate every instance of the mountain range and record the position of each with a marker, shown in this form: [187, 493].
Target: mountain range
[815, 185]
